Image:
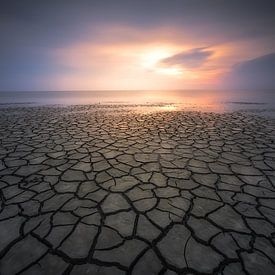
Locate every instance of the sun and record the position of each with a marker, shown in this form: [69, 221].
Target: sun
[174, 71]
[153, 56]
[150, 60]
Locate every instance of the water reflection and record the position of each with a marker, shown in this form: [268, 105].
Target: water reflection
[170, 100]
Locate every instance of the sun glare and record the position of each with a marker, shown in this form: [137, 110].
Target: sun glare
[150, 60]
[152, 57]
[170, 71]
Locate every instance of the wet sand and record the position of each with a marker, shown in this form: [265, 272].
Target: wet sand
[112, 190]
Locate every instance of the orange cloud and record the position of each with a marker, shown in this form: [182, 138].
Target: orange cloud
[120, 57]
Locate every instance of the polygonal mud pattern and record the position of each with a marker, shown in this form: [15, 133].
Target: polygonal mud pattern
[92, 190]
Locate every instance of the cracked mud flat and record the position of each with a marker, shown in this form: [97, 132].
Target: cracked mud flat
[88, 190]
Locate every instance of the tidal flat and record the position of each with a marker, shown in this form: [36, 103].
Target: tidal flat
[92, 189]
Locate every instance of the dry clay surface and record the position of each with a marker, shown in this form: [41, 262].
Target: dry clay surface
[88, 190]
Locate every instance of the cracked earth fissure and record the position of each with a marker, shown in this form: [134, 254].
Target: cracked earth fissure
[109, 190]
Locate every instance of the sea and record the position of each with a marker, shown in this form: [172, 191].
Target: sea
[257, 101]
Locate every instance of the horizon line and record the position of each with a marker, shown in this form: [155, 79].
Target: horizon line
[141, 90]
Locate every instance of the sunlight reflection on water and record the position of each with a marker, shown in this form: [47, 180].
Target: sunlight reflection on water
[195, 100]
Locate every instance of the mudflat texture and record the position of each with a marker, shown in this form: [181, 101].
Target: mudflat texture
[91, 190]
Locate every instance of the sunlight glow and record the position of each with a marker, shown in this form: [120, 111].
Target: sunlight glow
[153, 56]
[131, 66]
[150, 60]
[170, 71]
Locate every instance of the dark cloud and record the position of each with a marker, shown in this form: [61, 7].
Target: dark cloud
[54, 22]
[257, 73]
[193, 58]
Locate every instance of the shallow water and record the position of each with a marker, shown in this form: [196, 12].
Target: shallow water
[199, 100]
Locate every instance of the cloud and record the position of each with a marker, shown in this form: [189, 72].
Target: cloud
[236, 30]
[256, 73]
[193, 58]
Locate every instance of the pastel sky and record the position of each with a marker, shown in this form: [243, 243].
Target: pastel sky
[144, 44]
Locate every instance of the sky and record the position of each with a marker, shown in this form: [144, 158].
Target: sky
[132, 45]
